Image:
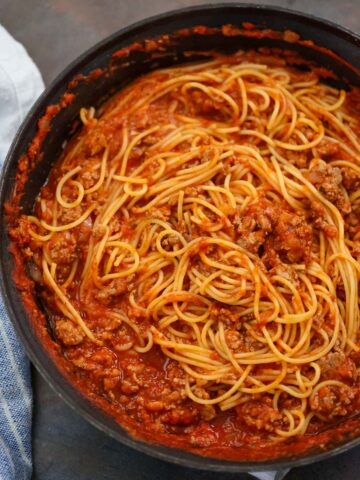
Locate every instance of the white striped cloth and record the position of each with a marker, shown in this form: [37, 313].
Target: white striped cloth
[20, 85]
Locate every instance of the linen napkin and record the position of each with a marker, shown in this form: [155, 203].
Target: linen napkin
[20, 85]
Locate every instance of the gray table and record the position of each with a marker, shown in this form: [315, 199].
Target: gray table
[65, 446]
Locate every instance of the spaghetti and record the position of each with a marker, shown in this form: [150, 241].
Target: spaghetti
[205, 221]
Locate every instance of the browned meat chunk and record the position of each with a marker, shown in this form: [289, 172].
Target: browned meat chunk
[251, 241]
[69, 215]
[21, 231]
[207, 412]
[355, 356]
[110, 383]
[62, 248]
[318, 216]
[90, 175]
[300, 159]
[154, 405]
[228, 315]
[203, 436]
[115, 288]
[128, 387]
[258, 415]
[100, 360]
[259, 216]
[233, 339]
[162, 213]
[327, 148]
[292, 237]
[104, 357]
[327, 180]
[332, 401]
[337, 366]
[350, 179]
[95, 141]
[180, 416]
[207, 106]
[68, 332]
[175, 375]
[275, 227]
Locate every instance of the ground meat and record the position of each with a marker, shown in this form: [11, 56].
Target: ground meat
[154, 405]
[337, 366]
[132, 366]
[104, 357]
[327, 148]
[300, 159]
[207, 412]
[158, 400]
[251, 241]
[327, 180]
[250, 344]
[228, 315]
[352, 226]
[102, 361]
[317, 214]
[350, 179]
[129, 387]
[292, 237]
[84, 363]
[203, 436]
[355, 356]
[171, 241]
[180, 416]
[110, 383]
[332, 401]
[21, 231]
[69, 215]
[175, 374]
[83, 233]
[137, 378]
[68, 332]
[233, 339]
[204, 105]
[274, 227]
[240, 340]
[88, 177]
[115, 288]
[161, 213]
[114, 224]
[62, 248]
[258, 217]
[95, 141]
[98, 232]
[259, 415]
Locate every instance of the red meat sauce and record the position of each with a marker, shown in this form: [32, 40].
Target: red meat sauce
[145, 391]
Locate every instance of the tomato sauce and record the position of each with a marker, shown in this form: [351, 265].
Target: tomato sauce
[142, 391]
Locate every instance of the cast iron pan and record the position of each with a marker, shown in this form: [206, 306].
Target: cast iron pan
[344, 43]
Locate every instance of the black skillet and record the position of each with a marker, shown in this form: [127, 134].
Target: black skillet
[325, 34]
